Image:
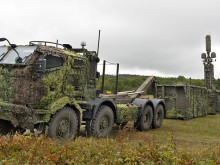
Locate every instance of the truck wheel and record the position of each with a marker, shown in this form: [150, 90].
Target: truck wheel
[158, 117]
[103, 122]
[6, 128]
[144, 122]
[64, 124]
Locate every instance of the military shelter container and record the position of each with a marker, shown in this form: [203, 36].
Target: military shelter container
[185, 101]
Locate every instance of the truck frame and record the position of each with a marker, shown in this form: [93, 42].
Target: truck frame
[51, 85]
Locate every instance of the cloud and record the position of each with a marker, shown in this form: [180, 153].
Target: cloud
[145, 36]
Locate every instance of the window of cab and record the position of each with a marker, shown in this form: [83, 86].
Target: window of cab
[53, 61]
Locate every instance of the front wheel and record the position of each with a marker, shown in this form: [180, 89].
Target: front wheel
[6, 128]
[158, 117]
[102, 124]
[64, 124]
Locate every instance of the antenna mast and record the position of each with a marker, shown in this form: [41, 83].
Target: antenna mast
[208, 66]
[98, 43]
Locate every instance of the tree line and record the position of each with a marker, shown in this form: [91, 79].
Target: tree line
[128, 82]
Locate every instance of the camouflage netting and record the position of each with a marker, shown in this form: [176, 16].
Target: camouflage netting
[212, 102]
[22, 87]
[218, 101]
[17, 114]
[126, 112]
[184, 101]
[198, 101]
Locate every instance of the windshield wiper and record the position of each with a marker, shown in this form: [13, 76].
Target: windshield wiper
[2, 55]
[26, 57]
[13, 46]
[18, 59]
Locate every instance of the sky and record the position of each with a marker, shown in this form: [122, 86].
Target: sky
[146, 37]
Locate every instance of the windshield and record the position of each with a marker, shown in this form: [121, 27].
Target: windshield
[3, 50]
[25, 52]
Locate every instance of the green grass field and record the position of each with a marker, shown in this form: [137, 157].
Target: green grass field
[196, 141]
[192, 135]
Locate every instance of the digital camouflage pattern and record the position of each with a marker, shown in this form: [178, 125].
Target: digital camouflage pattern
[184, 101]
[27, 96]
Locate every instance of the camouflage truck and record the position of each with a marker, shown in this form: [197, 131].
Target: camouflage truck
[50, 85]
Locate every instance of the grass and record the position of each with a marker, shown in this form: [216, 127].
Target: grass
[192, 135]
[196, 141]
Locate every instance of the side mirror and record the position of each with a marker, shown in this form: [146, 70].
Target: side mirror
[41, 66]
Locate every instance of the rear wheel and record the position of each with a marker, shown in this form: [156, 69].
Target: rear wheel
[158, 117]
[144, 122]
[64, 124]
[102, 124]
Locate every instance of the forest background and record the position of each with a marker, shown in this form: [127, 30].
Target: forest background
[127, 82]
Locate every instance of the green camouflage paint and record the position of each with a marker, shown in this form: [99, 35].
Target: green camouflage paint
[24, 91]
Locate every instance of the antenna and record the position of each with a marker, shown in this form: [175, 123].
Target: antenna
[208, 58]
[98, 43]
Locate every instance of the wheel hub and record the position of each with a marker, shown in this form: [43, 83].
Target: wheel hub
[63, 128]
[104, 123]
[146, 118]
[158, 116]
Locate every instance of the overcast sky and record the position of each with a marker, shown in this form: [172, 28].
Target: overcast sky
[146, 37]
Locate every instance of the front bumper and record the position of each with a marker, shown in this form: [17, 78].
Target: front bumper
[18, 115]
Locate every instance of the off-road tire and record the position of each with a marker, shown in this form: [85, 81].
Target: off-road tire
[158, 117]
[63, 124]
[102, 123]
[144, 122]
[6, 128]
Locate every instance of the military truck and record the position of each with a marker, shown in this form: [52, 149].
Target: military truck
[51, 85]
